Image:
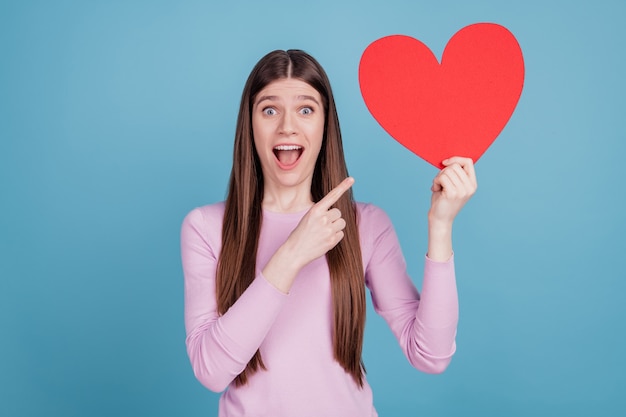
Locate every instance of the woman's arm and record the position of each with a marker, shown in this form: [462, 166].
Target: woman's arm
[452, 188]
[425, 325]
[220, 347]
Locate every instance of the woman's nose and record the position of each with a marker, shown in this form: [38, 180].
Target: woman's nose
[287, 124]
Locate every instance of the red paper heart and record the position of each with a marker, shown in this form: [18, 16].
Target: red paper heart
[456, 108]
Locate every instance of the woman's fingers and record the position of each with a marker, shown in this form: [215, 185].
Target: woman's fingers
[445, 183]
[321, 229]
[333, 214]
[450, 180]
[466, 163]
[334, 195]
[339, 224]
[452, 188]
[461, 181]
[462, 175]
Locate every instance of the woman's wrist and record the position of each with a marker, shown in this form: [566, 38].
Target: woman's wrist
[282, 268]
[439, 227]
[439, 240]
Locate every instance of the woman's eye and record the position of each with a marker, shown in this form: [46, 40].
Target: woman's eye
[269, 111]
[306, 110]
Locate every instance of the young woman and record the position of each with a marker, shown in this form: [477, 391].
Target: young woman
[275, 276]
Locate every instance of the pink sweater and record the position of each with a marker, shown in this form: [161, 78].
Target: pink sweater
[294, 331]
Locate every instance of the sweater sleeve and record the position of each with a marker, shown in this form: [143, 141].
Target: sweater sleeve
[424, 325]
[220, 347]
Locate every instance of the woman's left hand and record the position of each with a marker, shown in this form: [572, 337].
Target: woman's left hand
[452, 188]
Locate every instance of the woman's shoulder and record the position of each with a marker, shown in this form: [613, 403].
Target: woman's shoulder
[375, 230]
[373, 223]
[370, 214]
[207, 216]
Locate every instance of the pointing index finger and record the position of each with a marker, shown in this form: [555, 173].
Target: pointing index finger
[335, 194]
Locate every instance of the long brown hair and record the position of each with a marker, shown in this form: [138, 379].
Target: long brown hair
[243, 214]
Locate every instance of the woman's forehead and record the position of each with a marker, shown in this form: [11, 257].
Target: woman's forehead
[289, 88]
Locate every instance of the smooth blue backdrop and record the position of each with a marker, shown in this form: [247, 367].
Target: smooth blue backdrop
[117, 118]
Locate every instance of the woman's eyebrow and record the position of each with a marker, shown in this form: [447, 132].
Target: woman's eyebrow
[305, 97]
[269, 98]
[298, 98]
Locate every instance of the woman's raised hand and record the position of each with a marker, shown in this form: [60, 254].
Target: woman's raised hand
[452, 188]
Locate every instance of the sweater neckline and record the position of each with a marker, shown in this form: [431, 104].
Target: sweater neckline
[296, 215]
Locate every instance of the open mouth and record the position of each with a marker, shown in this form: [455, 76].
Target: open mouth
[288, 155]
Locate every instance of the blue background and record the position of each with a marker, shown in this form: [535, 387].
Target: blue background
[117, 118]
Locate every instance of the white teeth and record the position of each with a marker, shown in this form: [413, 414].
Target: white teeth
[287, 147]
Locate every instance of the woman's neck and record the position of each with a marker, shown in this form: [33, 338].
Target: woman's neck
[287, 199]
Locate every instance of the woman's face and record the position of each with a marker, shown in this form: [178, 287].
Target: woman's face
[288, 129]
